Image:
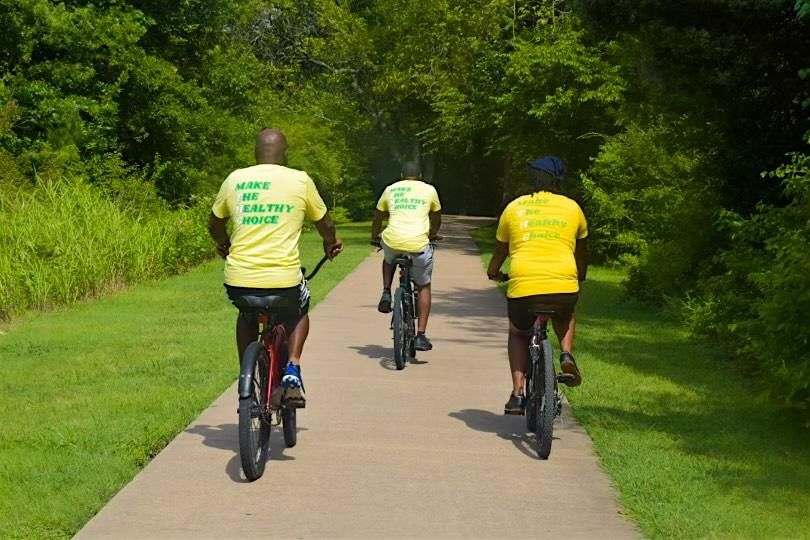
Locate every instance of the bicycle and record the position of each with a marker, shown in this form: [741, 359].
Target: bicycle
[403, 317]
[260, 392]
[543, 398]
[405, 309]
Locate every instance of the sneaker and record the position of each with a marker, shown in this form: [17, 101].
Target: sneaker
[385, 302]
[515, 405]
[570, 373]
[293, 385]
[422, 343]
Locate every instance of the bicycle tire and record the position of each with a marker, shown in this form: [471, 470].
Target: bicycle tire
[547, 409]
[254, 429]
[531, 394]
[410, 324]
[398, 326]
[288, 423]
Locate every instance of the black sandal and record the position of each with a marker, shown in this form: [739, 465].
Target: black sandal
[570, 375]
[515, 405]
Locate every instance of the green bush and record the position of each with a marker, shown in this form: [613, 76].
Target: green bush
[63, 240]
[651, 200]
[757, 306]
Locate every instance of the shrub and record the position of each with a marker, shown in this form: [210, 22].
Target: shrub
[340, 215]
[650, 201]
[757, 306]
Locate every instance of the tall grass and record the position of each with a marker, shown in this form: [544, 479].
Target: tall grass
[63, 240]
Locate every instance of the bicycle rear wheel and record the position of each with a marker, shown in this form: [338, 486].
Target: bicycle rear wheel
[400, 330]
[531, 394]
[254, 428]
[546, 403]
[410, 325]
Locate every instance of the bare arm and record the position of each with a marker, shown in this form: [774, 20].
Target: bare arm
[376, 224]
[435, 224]
[498, 258]
[216, 228]
[581, 258]
[332, 245]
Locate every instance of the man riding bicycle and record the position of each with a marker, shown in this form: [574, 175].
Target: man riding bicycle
[414, 217]
[545, 234]
[268, 203]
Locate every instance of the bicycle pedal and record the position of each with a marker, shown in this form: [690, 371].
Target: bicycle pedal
[566, 377]
[295, 403]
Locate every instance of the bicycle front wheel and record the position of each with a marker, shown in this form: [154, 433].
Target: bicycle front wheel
[400, 331]
[288, 423]
[546, 402]
[254, 426]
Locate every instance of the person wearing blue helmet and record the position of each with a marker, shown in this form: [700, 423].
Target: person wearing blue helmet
[545, 234]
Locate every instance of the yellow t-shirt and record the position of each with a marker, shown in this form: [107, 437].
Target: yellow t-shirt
[267, 204]
[408, 203]
[542, 230]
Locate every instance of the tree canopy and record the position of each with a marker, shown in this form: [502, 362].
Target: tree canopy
[684, 124]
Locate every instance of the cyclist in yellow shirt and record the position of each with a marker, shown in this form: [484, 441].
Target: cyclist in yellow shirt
[268, 203]
[545, 234]
[414, 217]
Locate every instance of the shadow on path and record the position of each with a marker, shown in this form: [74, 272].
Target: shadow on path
[511, 428]
[226, 437]
[385, 355]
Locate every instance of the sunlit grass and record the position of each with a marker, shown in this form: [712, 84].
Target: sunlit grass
[691, 453]
[65, 240]
[90, 393]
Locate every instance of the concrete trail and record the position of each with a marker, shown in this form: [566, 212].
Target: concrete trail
[423, 452]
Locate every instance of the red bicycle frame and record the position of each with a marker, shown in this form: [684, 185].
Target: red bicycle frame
[273, 341]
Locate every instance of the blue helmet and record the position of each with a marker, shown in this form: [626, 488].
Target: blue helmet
[550, 164]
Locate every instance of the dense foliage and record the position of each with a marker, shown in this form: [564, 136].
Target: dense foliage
[667, 113]
[103, 105]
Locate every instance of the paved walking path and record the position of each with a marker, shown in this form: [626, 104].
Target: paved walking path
[423, 452]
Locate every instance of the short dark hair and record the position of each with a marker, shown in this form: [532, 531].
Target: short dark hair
[411, 169]
[544, 181]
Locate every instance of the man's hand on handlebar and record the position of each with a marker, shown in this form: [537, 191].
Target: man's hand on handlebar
[500, 276]
[332, 249]
[376, 242]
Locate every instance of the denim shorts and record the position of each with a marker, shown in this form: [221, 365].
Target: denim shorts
[422, 268]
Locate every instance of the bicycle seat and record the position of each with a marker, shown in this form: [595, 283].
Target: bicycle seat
[403, 260]
[262, 303]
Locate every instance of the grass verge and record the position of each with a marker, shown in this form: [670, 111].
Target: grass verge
[89, 394]
[691, 453]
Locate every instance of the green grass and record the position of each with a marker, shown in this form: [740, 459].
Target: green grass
[91, 393]
[65, 240]
[691, 453]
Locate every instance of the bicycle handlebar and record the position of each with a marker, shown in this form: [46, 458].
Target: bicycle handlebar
[317, 268]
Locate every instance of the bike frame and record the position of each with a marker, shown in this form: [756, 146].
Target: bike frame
[273, 337]
[540, 329]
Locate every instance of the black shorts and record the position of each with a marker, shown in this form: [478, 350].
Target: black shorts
[522, 310]
[297, 299]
